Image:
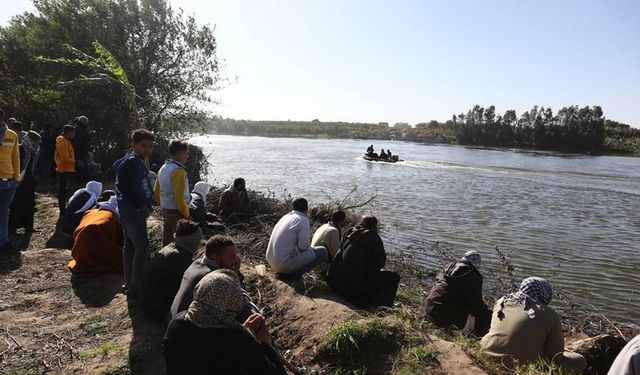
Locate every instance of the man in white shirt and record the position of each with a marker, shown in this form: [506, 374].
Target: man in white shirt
[289, 252]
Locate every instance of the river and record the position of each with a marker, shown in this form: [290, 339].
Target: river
[574, 219]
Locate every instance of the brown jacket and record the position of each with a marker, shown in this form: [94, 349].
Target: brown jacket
[516, 336]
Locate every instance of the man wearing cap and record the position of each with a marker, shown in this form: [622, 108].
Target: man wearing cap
[455, 301]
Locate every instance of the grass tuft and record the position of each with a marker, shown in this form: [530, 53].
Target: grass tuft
[101, 351]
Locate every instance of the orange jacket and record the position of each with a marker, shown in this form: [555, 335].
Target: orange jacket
[64, 156]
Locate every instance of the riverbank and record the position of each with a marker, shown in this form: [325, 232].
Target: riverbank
[56, 323]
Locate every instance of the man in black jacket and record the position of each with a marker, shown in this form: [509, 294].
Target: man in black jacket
[455, 301]
[355, 273]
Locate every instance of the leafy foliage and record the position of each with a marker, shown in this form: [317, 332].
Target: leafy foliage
[119, 62]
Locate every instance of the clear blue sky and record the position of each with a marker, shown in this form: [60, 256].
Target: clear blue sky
[414, 61]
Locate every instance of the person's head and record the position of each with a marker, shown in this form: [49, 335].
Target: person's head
[537, 289]
[222, 250]
[188, 235]
[338, 218]
[81, 120]
[34, 137]
[300, 205]
[142, 142]
[239, 183]
[368, 222]
[217, 299]
[201, 188]
[94, 188]
[69, 131]
[14, 125]
[473, 257]
[179, 150]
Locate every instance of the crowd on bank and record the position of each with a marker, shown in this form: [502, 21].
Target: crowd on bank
[200, 299]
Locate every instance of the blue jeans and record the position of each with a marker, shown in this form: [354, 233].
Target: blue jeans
[321, 257]
[136, 240]
[7, 190]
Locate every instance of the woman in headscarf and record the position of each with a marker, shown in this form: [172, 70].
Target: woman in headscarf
[355, 272]
[455, 300]
[206, 339]
[81, 201]
[525, 329]
[97, 242]
[23, 205]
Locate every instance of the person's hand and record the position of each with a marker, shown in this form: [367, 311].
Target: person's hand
[256, 324]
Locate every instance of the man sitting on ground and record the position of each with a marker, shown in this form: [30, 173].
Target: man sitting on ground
[329, 234]
[355, 272]
[163, 272]
[98, 241]
[234, 203]
[220, 252]
[455, 301]
[198, 209]
[81, 201]
[289, 252]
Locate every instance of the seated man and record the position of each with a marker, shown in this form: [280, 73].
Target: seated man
[370, 150]
[289, 252]
[220, 252]
[455, 301]
[355, 272]
[81, 201]
[525, 329]
[163, 272]
[328, 235]
[234, 203]
[98, 241]
[383, 155]
[198, 209]
[208, 339]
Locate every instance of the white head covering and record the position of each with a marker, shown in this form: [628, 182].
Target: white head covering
[111, 205]
[94, 188]
[201, 188]
[83, 120]
[473, 257]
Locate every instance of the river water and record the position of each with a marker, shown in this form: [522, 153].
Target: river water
[574, 219]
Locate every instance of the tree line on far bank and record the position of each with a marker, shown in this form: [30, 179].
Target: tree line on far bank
[573, 128]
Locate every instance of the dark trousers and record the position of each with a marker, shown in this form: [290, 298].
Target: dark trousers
[64, 182]
[136, 241]
[23, 205]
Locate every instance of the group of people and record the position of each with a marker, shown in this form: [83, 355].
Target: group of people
[383, 155]
[200, 299]
[522, 328]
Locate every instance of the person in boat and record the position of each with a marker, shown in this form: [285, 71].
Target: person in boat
[289, 252]
[355, 273]
[370, 150]
[234, 203]
[383, 155]
[525, 329]
[208, 339]
[98, 241]
[628, 361]
[389, 154]
[455, 301]
[81, 201]
[163, 272]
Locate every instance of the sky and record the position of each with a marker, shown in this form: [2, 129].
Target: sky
[416, 61]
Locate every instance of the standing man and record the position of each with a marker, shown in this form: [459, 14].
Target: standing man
[24, 201]
[81, 146]
[65, 163]
[9, 176]
[171, 189]
[289, 252]
[135, 195]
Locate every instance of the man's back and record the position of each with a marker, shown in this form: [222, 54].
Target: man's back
[161, 280]
[194, 273]
[329, 237]
[289, 236]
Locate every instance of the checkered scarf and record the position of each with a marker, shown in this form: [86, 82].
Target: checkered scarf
[217, 299]
[533, 290]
